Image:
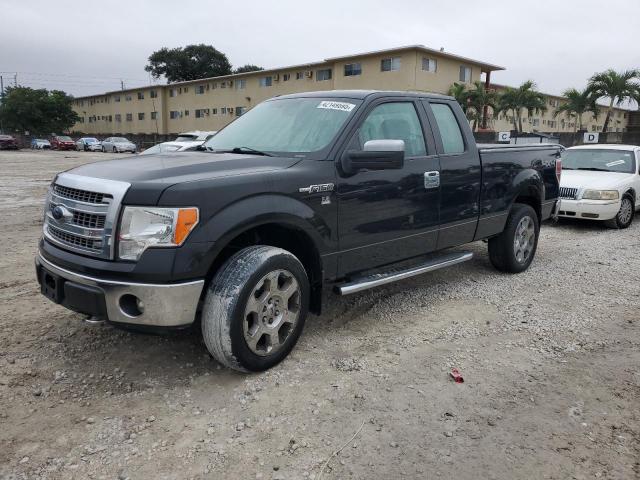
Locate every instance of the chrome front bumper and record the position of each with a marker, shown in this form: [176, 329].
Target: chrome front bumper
[164, 305]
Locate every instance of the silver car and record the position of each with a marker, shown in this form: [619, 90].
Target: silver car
[118, 145]
[85, 142]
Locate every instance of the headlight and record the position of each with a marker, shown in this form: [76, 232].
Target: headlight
[600, 195]
[144, 227]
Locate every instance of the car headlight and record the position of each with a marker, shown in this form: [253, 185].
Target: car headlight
[144, 227]
[600, 195]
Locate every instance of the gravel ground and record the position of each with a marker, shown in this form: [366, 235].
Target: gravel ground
[550, 360]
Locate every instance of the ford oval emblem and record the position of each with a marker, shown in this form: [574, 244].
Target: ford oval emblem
[57, 212]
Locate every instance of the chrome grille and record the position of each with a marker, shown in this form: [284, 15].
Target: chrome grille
[88, 220]
[568, 193]
[90, 209]
[75, 240]
[79, 195]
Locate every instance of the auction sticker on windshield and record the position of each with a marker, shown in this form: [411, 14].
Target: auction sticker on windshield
[344, 106]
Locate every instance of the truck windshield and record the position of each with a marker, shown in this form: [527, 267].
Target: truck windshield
[288, 125]
[621, 161]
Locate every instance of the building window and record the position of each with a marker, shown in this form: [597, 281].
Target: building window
[129, 117]
[127, 98]
[186, 113]
[110, 118]
[551, 123]
[153, 94]
[141, 116]
[118, 117]
[390, 64]
[200, 90]
[116, 98]
[140, 95]
[172, 92]
[429, 64]
[266, 81]
[352, 69]
[286, 77]
[173, 114]
[223, 111]
[324, 74]
[535, 122]
[154, 115]
[241, 84]
[465, 74]
[186, 89]
[201, 112]
[214, 111]
[240, 111]
[299, 75]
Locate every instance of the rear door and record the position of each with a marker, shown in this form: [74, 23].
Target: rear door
[388, 215]
[460, 173]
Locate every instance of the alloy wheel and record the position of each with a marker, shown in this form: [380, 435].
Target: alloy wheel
[524, 239]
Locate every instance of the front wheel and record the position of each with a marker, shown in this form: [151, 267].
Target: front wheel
[513, 250]
[624, 217]
[255, 308]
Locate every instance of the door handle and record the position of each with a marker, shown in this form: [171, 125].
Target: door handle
[431, 179]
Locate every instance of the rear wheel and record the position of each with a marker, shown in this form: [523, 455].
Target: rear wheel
[255, 308]
[624, 217]
[513, 250]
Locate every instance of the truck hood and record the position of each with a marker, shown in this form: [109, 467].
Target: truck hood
[150, 175]
[176, 167]
[594, 180]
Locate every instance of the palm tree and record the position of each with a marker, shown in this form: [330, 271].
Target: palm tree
[524, 97]
[617, 86]
[477, 99]
[459, 92]
[578, 103]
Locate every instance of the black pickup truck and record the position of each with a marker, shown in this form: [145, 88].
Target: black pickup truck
[348, 189]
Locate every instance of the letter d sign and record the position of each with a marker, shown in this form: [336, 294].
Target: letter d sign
[591, 137]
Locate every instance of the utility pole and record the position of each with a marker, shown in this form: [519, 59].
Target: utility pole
[121, 84]
[15, 80]
[2, 88]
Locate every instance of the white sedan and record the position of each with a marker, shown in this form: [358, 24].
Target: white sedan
[166, 147]
[600, 182]
[117, 145]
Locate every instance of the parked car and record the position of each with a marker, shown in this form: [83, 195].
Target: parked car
[343, 189]
[7, 142]
[118, 145]
[95, 147]
[85, 142]
[601, 182]
[62, 142]
[40, 144]
[166, 147]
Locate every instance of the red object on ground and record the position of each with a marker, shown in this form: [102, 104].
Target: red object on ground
[455, 374]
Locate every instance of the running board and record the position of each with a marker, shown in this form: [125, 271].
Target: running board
[378, 279]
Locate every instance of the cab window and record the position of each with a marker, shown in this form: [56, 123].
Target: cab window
[450, 133]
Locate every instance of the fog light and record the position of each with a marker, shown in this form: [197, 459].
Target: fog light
[131, 305]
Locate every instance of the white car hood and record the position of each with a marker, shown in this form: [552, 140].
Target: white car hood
[594, 180]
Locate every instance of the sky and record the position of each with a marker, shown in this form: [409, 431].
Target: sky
[87, 47]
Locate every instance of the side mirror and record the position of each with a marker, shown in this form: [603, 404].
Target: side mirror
[376, 155]
[201, 148]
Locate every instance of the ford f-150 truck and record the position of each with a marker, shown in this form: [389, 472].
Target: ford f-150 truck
[342, 189]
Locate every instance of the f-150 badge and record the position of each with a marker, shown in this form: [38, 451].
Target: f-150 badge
[323, 187]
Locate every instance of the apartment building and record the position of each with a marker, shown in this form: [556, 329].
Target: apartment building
[211, 103]
[547, 122]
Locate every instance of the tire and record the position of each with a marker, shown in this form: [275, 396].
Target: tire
[522, 227]
[103, 150]
[624, 217]
[248, 284]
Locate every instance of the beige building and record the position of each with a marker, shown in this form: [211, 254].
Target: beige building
[211, 103]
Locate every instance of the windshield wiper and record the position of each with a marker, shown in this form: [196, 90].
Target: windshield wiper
[241, 150]
[593, 169]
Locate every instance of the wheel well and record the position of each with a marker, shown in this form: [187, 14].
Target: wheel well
[282, 236]
[631, 193]
[532, 200]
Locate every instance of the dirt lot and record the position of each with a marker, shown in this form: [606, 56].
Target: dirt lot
[550, 358]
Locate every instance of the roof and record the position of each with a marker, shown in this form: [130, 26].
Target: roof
[361, 94]
[484, 65]
[605, 146]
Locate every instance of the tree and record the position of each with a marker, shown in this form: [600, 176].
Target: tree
[189, 63]
[618, 87]
[248, 68]
[459, 92]
[37, 111]
[477, 99]
[577, 104]
[524, 97]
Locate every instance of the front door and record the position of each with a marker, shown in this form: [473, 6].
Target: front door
[389, 215]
